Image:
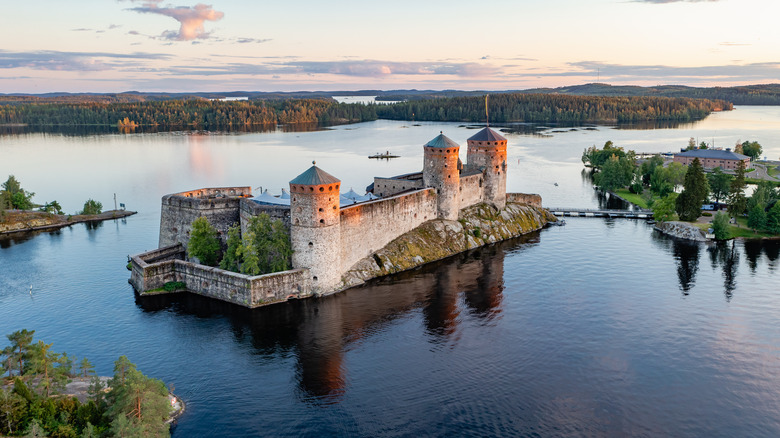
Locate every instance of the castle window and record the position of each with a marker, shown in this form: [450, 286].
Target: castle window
[330, 188]
[311, 189]
[310, 244]
[322, 221]
[298, 210]
[322, 189]
[320, 209]
[297, 222]
[334, 207]
[314, 278]
[337, 186]
[448, 151]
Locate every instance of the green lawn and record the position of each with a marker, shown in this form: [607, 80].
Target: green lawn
[632, 197]
[739, 231]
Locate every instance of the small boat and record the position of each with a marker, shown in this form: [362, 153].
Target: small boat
[386, 156]
[555, 184]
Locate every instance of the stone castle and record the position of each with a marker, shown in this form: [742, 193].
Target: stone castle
[329, 237]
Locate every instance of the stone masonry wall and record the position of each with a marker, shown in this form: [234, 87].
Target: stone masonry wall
[214, 282]
[178, 213]
[524, 198]
[471, 190]
[385, 187]
[249, 208]
[369, 226]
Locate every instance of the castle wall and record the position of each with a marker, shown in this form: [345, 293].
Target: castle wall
[531, 199]
[249, 208]
[471, 190]
[153, 269]
[179, 210]
[385, 187]
[369, 226]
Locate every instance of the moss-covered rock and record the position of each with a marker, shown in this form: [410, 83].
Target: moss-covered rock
[476, 226]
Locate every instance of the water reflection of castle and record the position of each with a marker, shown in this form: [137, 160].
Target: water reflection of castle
[320, 332]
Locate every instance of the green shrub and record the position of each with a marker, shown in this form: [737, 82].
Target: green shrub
[92, 207]
[720, 226]
[174, 286]
[706, 214]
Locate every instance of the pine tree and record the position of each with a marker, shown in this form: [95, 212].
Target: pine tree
[737, 199]
[694, 194]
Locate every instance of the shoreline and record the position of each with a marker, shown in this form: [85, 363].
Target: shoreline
[41, 221]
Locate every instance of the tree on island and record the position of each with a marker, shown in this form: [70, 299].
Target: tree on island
[663, 209]
[204, 242]
[752, 149]
[720, 226]
[719, 183]
[757, 218]
[14, 196]
[135, 405]
[139, 404]
[737, 199]
[265, 247]
[773, 219]
[694, 194]
[92, 207]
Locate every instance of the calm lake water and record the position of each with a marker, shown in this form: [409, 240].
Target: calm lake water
[601, 327]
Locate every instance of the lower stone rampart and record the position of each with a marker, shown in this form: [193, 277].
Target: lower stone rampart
[167, 265]
[525, 198]
[477, 226]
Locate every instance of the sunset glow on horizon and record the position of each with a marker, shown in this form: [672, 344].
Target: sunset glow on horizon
[229, 45]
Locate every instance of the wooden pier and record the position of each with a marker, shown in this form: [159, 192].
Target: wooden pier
[584, 212]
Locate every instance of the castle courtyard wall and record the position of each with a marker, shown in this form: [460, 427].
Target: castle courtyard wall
[249, 208]
[368, 227]
[181, 209]
[384, 187]
[471, 190]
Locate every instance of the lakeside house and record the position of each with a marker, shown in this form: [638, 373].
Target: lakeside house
[712, 158]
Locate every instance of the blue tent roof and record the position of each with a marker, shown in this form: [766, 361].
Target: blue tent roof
[267, 198]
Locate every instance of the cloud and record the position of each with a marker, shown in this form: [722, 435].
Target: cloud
[252, 40]
[72, 61]
[666, 73]
[190, 18]
[374, 68]
[674, 1]
[731, 43]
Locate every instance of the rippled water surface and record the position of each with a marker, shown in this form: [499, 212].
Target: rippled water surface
[601, 327]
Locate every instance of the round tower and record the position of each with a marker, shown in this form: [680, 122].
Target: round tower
[440, 171]
[487, 152]
[314, 227]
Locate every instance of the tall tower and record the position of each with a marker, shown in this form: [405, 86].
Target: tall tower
[440, 171]
[487, 151]
[315, 232]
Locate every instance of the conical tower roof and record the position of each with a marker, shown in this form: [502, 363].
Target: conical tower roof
[314, 176]
[441, 141]
[487, 134]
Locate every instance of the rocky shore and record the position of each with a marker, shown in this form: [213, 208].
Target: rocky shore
[437, 239]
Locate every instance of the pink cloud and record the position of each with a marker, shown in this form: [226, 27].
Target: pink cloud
[191, 19]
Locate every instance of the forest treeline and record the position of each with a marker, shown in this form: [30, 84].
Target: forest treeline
[216, 115]
[195, 113]
[549, 108]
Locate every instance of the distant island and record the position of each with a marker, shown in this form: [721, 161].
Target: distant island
[31, 113]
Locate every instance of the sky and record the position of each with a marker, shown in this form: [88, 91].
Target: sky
[259, 45]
